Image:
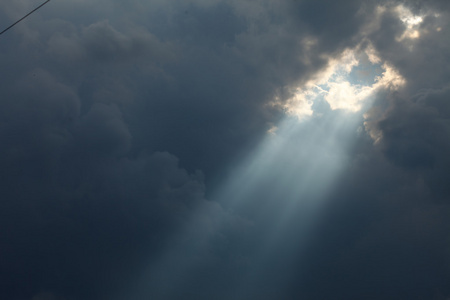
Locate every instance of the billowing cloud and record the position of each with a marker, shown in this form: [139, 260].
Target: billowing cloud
[122, 124]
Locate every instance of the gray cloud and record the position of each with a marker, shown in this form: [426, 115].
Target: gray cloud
[108, 112]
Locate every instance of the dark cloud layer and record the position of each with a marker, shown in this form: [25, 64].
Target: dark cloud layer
[119, 123]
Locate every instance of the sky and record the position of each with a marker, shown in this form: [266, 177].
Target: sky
[225, 149]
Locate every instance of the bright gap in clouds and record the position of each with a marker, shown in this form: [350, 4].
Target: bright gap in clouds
[347, 84]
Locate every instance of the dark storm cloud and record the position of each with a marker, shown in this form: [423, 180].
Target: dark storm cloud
[75, 211]
[206, 74]
[94, 94]
[415, 125]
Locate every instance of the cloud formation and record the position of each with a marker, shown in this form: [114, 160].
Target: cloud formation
[121, 122]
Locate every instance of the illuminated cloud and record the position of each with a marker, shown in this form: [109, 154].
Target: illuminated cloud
[411, 21]
[338, 84]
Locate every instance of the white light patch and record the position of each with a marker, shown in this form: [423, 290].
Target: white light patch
[347, 83]
[412, 23]
[343, 95]
[301, 104]
[407, 17]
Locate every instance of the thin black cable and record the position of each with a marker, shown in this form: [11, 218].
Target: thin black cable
[24, 17]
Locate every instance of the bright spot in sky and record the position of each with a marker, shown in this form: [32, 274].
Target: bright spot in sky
[407, 17]
[347, 83]
[412, 24]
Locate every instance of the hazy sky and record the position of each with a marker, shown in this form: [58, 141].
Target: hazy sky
[225, 149]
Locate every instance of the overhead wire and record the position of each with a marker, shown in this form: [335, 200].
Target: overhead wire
[21, 19]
